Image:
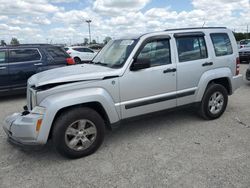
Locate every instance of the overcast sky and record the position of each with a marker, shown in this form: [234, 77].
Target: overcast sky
[63, 21]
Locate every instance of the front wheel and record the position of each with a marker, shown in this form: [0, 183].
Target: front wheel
[78, 132]
[214, 102]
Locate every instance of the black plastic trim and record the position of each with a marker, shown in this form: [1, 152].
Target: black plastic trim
[189, 34]
[110, 77]
[160, 99]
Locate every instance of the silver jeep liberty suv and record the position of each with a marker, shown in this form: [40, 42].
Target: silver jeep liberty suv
[131, 76]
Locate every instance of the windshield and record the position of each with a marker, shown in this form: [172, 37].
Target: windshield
[115, 53]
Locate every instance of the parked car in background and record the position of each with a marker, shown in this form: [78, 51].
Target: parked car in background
[243, 43]
[81, 54]
[18, 63]
[245, 54]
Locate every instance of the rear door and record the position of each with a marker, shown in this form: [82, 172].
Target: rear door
[23, 63]
[192, 61]
[81, 53]
[89, 54]
[56, 57]
[4, 71]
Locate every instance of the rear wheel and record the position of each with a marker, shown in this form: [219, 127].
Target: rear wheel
[77, 60]
[78, 132]
[214, 102]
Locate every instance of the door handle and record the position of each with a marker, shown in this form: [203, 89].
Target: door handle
[37, 64]
[207, 64]
[169, 70]
[2, 68]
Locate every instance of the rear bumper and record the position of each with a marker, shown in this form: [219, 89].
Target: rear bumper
[248, 74]
[237, 81]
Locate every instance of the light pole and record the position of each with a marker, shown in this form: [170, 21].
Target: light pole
[89, 21]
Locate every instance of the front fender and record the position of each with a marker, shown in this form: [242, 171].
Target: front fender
[209, 76]
[62, 100]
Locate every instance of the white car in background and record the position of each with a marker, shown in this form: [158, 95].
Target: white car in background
[81, 54]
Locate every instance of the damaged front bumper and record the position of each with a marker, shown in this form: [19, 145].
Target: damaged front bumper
[23, 129]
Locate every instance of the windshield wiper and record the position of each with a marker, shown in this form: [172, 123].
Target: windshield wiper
[100, 63]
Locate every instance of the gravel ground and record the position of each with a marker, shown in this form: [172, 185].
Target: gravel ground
[174, 149]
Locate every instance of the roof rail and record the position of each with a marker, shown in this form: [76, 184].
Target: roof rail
[179, 29]
[28, 45]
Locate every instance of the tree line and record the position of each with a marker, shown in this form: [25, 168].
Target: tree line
[241, 36]
[15, 41]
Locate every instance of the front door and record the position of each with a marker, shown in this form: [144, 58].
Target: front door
[4, 73]
[150, 89]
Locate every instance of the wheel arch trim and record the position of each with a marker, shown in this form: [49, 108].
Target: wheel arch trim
[211, 75]
[55, 103]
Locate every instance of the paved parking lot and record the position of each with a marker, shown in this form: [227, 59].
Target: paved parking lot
[174, 149]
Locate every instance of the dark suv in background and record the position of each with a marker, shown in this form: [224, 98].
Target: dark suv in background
[18, 63]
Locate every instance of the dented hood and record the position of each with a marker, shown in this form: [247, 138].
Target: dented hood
[85, 72]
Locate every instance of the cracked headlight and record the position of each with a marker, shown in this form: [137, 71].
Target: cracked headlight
[32, 98]
[38, 110]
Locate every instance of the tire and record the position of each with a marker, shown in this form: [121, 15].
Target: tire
[78, 132]
[77, 60]
[214, 102]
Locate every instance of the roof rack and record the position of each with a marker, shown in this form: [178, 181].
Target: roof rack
[38, 44]
[179, 29]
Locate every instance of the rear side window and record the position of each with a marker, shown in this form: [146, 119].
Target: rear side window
[56, 52]
[79, 49]
[83, 50]
[24, 55]
[222, 44]
[191, 48]
[2, 57]
[88, 50]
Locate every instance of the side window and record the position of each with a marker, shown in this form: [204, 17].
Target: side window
[88, 50]
[56, 52]
[22, 55]
[157, 52]
[191, 48]
[79, 49]
[222, 44]
[2, 57]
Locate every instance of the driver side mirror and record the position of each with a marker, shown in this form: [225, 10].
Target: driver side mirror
[141, 63]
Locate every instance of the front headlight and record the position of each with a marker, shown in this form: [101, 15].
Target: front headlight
[38, 110]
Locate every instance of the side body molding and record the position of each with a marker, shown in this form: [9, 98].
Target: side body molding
[61, 100]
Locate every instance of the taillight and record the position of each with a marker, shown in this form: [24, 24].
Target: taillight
[70, 61]
[237, 66]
